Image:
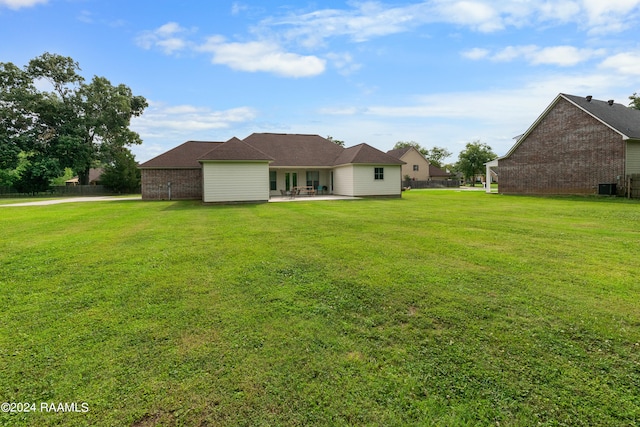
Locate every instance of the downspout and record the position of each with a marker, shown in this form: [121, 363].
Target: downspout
[169, 189]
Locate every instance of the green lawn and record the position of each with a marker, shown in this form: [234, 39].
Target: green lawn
[440, 308]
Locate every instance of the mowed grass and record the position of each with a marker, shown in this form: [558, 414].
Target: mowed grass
[442, 308]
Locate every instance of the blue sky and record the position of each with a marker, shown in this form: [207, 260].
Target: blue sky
[438, 72]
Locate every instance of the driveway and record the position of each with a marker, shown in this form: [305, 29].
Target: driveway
[71, 200]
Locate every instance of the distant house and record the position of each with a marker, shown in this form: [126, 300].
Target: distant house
[94, 177]
[417, 167]
[268, 164]
[579, 145]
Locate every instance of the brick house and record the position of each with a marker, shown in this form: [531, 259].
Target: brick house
[268, 164]
[577, 146]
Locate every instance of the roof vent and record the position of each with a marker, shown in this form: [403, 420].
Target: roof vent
[589, 98]
[610, 102]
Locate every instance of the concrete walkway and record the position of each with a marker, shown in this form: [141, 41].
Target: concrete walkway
[70, 200]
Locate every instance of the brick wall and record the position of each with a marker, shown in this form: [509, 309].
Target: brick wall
[185, 184]
[569, 152]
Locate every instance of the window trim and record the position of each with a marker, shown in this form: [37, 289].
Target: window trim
[378, 174]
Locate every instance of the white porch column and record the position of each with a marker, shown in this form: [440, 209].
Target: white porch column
[487, 177]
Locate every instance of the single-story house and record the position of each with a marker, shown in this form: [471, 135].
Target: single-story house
[579, 145]
[269, 164]
[417, 167]
[95, 174]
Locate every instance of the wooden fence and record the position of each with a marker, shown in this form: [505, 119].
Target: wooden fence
[431, 184]
[61, 190]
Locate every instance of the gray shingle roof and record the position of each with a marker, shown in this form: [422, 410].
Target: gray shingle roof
[366, 154]
[295, 149]
[184, 156]
[235, 149]
[619, 117]
[284, 150]
[399, 152]
[436, 171]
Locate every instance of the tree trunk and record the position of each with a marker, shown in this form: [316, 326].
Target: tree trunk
[83, 177]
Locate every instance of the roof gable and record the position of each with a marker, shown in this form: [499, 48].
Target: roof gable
[235, 149]
[366, 154]
[184, 156]
[621, 119]
[407, 153]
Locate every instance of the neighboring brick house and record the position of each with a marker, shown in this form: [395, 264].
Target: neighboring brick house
[577, 146]
[176, 174]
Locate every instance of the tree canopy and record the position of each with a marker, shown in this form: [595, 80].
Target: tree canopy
[68, 124]
[635, 101]
[335, 141]
[471, 160]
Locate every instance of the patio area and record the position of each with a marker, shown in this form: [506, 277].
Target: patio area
[305, 198]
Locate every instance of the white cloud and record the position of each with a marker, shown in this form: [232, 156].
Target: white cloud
[237, 8]
[627, 63]
[344, 63]
[19, 4]
[610, 16]
[478, 15]
[563, 56]
[561, 11]
[170, 38]
[511, 53]
[253, 56]
[86, 17]
[262, 56]
[365, 20]
[169, 121]
[475, 53]
[165, 126]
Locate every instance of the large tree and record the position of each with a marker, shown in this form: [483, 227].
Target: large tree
[471, 160]
[436, 156]
[121, 174]
[70, 123]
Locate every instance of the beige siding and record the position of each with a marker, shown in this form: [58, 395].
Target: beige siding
[358, 180]
[235, 182]
[343, 181]
[633, 158]
[413, 157]
[366, 185]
